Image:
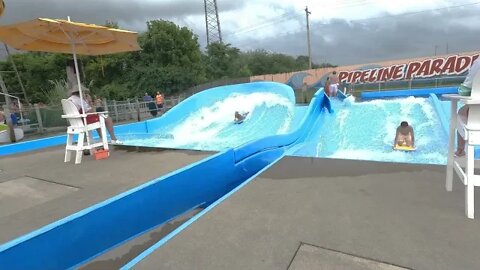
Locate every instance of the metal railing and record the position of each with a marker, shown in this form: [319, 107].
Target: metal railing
[406, 84]
[355, 89]
[40, 119]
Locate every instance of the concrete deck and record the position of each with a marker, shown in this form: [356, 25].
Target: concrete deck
[306, 213]
[37, 188]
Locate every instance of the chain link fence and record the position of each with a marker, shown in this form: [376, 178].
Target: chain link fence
[355, 89]
[407, 84]
[40, 120]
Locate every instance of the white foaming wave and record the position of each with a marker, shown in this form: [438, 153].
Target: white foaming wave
[349, 100]
[393, 156]
[406, 100]
[342, 116]
[429, 111]
[403, 109]
[206, 123]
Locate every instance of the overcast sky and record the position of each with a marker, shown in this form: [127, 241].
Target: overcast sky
[342, 31]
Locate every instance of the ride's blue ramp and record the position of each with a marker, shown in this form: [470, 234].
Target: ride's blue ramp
[204, 121]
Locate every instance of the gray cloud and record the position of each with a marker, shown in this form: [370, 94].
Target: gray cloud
[337, 41]
[341, 42]
[129, 14]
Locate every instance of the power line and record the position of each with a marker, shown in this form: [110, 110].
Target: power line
[416, 12]
[412, 13]
[288, 16]
[359, 20]
[263, 25]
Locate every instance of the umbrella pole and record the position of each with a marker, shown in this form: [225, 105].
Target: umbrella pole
[77, 72]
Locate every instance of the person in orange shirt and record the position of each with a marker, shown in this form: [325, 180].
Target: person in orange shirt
[159, 101]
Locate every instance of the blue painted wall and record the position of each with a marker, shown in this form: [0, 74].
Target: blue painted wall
[20, 147]
[26, 146]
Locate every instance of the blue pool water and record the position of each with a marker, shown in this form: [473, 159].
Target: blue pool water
[366, 130]
[211, 127]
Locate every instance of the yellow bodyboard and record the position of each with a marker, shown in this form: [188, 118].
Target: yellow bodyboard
[404, 148]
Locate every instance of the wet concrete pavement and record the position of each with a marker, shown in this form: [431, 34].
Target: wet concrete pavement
[397, 215]
[38, 188]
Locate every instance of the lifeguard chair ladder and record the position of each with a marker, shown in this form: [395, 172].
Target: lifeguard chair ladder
[470, 131]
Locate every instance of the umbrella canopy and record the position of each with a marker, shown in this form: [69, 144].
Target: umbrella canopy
[2, 7]
[62, 36]
[49, 35]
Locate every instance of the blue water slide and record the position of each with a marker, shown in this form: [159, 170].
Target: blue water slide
[164, 125]
[84, 235]
[205, 121]
[319, 103]
[209, 97]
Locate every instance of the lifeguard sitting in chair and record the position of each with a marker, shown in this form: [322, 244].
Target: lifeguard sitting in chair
[92, 117]
[82, 124]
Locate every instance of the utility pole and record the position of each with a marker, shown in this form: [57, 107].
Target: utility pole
[436, 46]
[447, 48]
[308, 39]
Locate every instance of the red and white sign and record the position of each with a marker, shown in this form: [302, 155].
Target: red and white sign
[452, 65]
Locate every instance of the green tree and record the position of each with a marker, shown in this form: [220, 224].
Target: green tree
[170, 60]
[36, 70]
[224, 61]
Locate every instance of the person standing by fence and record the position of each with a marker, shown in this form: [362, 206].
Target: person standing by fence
[333, 84]
[152, 107]
[159, 101]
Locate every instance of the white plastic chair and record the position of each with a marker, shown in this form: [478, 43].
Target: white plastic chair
[84, 131]
[470, 131]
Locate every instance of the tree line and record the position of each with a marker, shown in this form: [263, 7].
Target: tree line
[170, 61]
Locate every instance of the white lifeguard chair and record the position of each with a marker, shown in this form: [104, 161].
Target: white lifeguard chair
[470, 131]
[83, 130]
